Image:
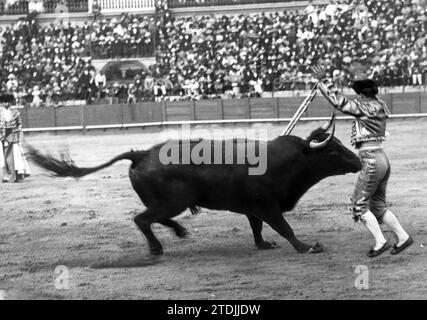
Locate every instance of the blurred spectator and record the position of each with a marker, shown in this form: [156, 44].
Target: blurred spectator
[148, 87]
[96, 10]
[131, 94]
[12, 83]
[35, 6]
[36, 97]
[417, 77]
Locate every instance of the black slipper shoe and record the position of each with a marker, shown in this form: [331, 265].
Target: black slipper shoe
[374, 253]
[397, 249]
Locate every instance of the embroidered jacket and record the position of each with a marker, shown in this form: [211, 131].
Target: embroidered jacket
[370, 115]
[10, 129]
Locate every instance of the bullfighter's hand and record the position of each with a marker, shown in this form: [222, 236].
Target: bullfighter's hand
[318, 72]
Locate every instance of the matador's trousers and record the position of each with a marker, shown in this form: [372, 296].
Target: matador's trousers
[370, 191]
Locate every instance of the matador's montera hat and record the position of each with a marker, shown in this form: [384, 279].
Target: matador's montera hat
[366, 87]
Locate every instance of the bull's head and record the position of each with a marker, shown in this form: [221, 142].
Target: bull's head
[333, 157]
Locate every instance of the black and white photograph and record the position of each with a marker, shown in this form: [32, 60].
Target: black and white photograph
[213, 154]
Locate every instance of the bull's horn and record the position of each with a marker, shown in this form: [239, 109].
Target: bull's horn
[328, 125]
[314, 144]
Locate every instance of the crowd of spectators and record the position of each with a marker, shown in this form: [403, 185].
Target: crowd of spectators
[211, 56]
[53, 63]
[127, 37]
[204, 3]
[262, 52]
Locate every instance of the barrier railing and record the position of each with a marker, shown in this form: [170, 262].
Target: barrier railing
[53, 6]
[18, 8]
[120, 116]
[114, 6]
[205, 3]
[23, 7]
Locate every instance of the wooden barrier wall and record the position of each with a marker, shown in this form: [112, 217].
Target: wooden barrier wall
[254, 108]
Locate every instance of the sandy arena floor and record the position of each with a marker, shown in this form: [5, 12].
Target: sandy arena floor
[87, 226]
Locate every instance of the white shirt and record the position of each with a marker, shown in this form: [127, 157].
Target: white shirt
[330, 9]
[99, 78]
[7, 115]
[309, 9]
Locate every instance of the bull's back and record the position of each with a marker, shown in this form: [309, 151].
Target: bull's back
[216, 181]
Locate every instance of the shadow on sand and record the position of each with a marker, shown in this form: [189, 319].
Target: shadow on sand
[128, 261]
[97, 262]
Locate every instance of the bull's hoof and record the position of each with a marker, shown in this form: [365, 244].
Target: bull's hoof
[317, 248]
[265, 245]
[182, 233]
[156, 251]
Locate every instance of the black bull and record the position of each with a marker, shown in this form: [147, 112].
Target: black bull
[294, 165]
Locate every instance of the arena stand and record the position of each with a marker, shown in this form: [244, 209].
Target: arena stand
[235, 53]
[24, 7]
[53, 63]
[210, 3]
[211, 56]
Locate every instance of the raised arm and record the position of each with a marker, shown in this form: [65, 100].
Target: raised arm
[338, 101]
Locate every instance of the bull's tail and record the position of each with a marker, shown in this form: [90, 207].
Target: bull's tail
[65, 166]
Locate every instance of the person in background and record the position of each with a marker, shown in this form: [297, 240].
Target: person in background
[14, 165]
[96, 10]
[417, 76]
[110, 94]
[12, 83]
[122, 93]
[84, 85]
[148, 88]
[100, 83]
[131, 94]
